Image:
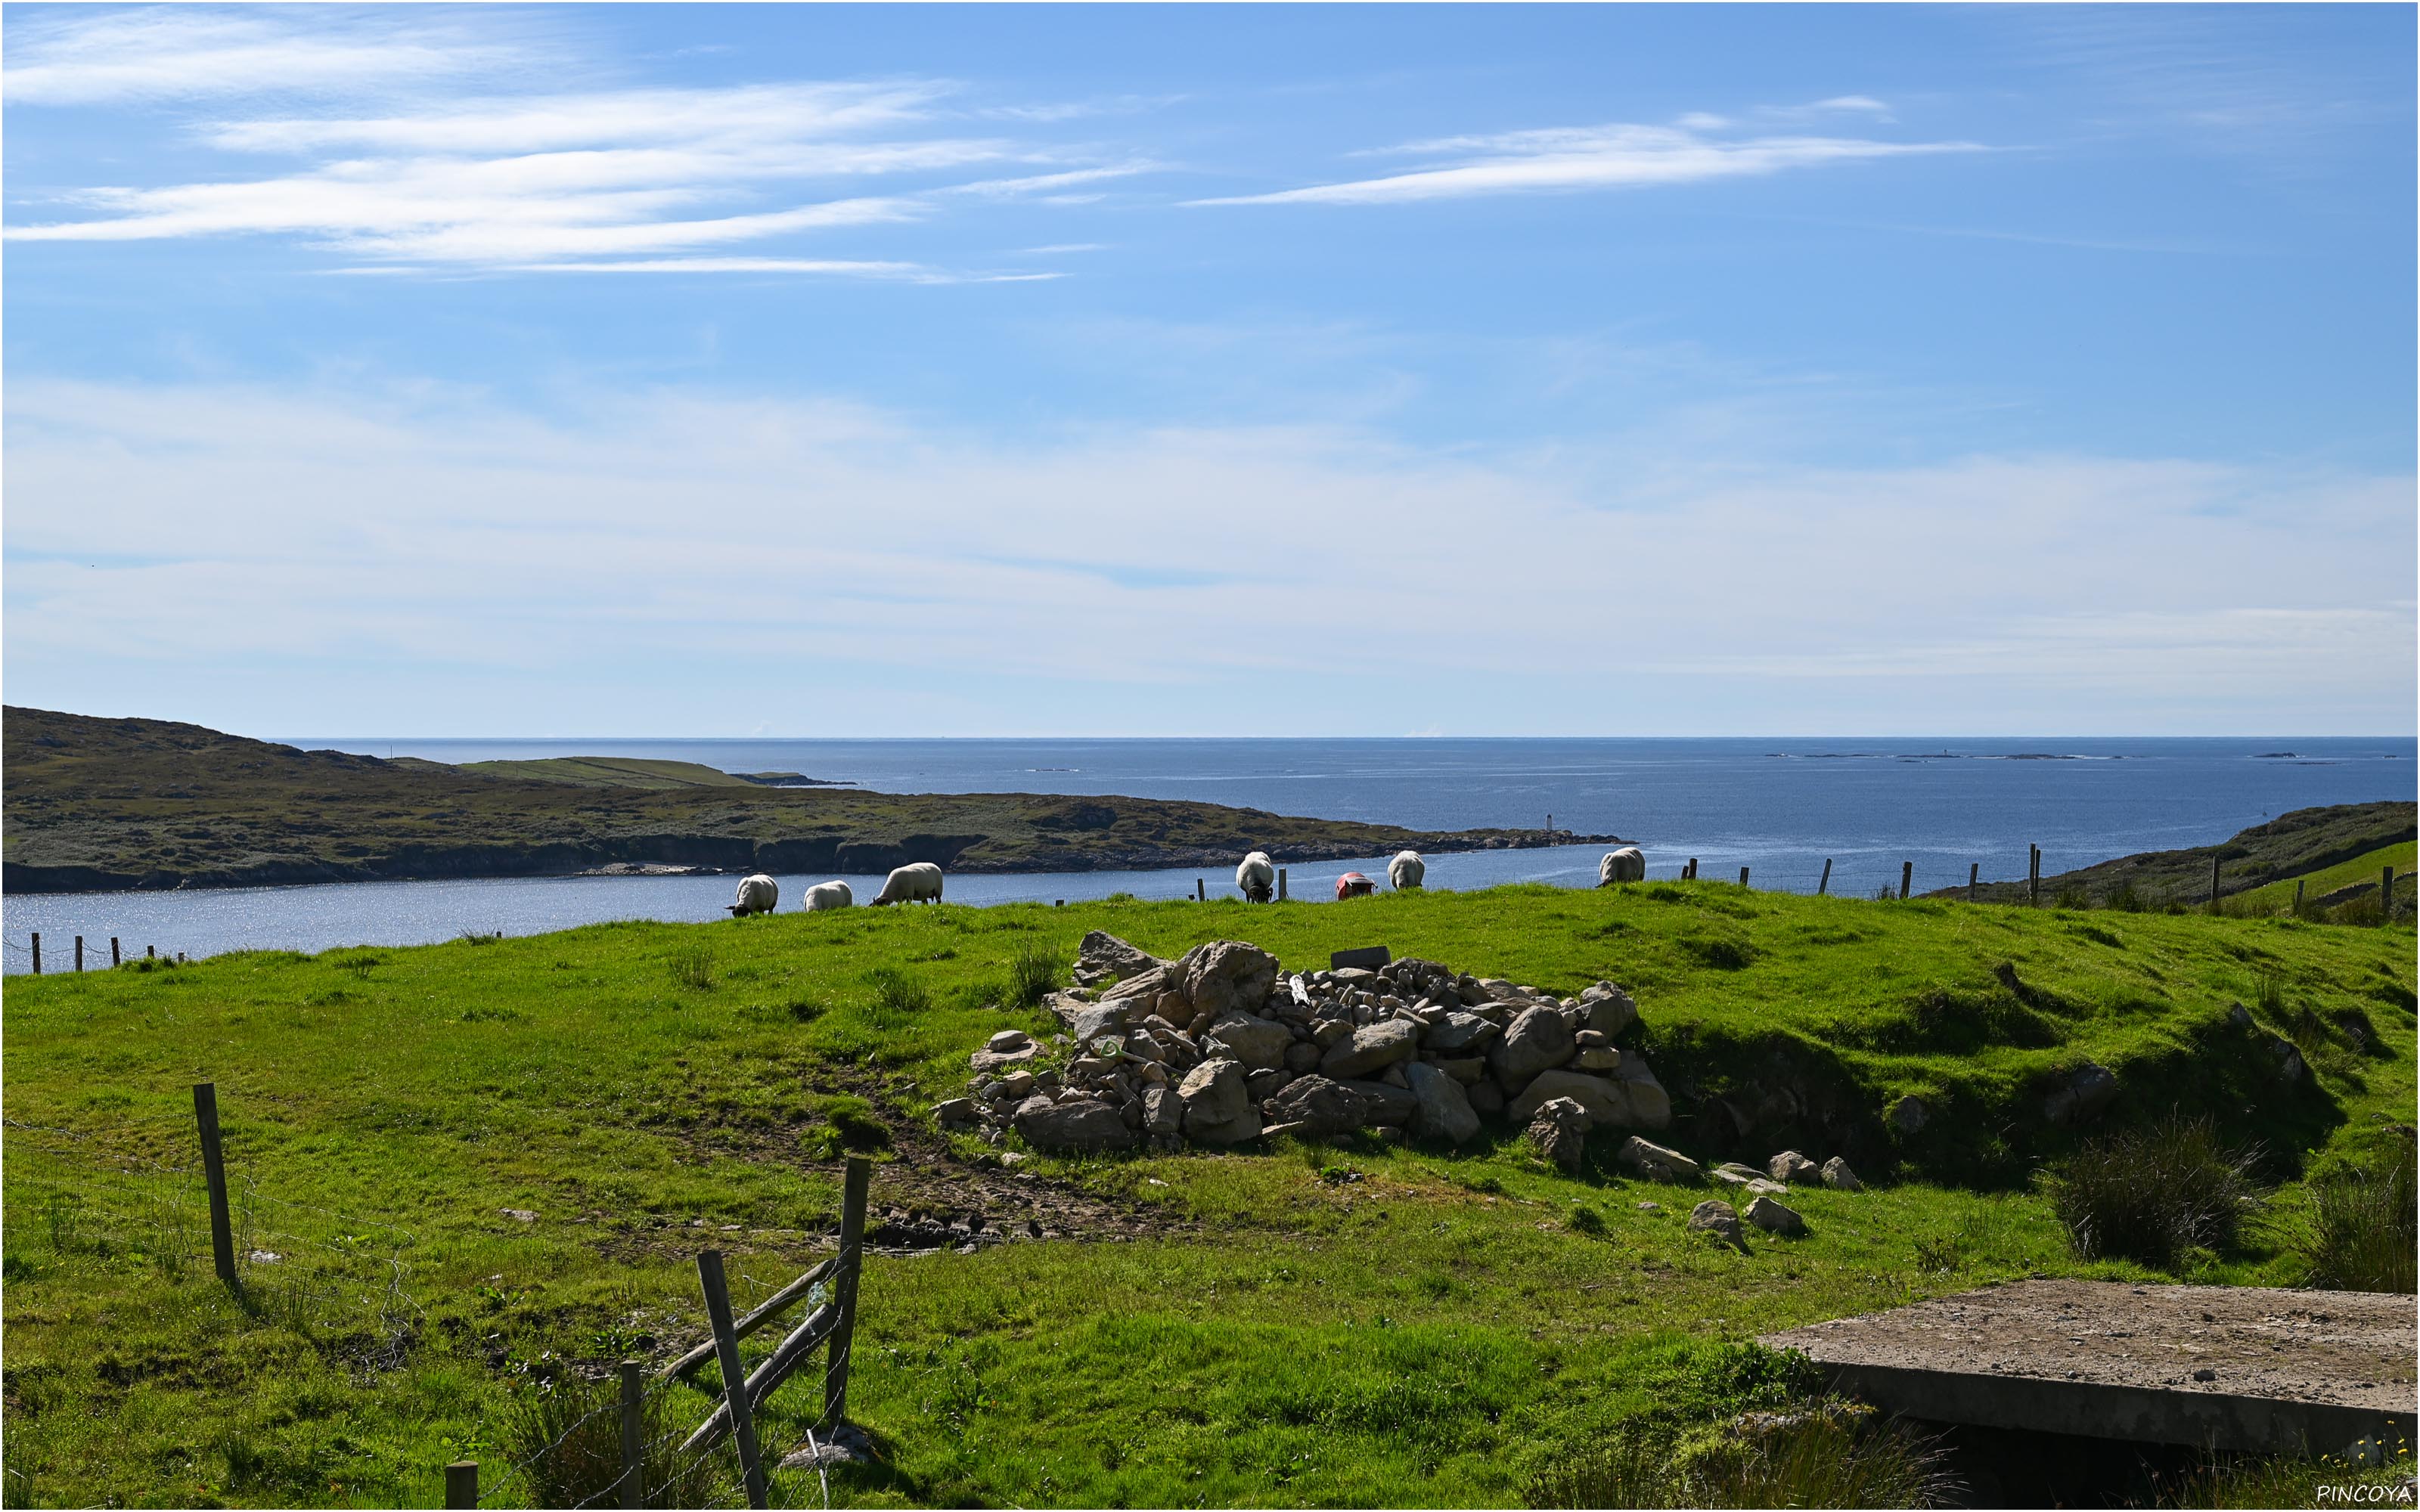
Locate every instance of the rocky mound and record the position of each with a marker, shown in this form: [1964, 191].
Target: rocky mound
[1225, 1045]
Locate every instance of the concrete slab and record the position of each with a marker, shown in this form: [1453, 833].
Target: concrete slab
[2243, 1369]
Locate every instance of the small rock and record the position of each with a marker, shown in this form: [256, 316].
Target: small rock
[1909, 1115]
[518, 1215]
[1007, 1041]
[1081, 1124]
[1838, 1176]
[1657, 1164]
[1559, 1131]
[1790, 1165]
[1372, 1047]
[1718, 1219]
[1772, 1216]
[958, 1111]
[1651, 1207]
[2205, 1375]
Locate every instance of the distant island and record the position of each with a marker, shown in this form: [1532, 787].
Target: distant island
[106, 804]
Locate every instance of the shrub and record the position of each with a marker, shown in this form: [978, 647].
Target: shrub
[1032, 973]
[569, 1432]
[2151, 1195]
[2364, 1235]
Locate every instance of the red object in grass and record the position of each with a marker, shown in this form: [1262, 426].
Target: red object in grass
[1354, 885]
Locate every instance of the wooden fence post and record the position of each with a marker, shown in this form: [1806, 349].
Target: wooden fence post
[2033, 878]
[1974, 872]
[112, 952]
[1200, 892]
[1824, 884]
[634, 1396]
[149, 951]
[1691, 873]
[79, 952]
[2298, 897]
[1742, 876]
[1282, 892]
[735, 1381]
[463, 1483]
[37, 952]
[1906, 874]
[852, 1261]
[2213, 882]
[206, 1115]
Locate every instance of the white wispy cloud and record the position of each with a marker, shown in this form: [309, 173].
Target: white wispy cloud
[1618, 156]
[453, 170]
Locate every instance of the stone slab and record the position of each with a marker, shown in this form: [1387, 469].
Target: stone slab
[2250, 1369]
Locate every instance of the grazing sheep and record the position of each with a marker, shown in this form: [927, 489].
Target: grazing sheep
[1405, 871]
[917, 883]
[1354, 885]
[758, 893]
[828, 895]
[1257, 876]
[1628, 864]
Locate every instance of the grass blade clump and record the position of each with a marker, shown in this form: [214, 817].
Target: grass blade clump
[2364, 1235]
[692, 967]
[2153, 1194]
[897, 996]
[1829, 1453]
[1032, 974]
[568, 1432]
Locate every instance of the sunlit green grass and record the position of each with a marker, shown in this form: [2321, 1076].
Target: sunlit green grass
[1432, 1332]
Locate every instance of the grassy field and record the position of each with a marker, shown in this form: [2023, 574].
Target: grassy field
[104, 804]
[2294, 845]
[2362, 871]
[1298, 1324]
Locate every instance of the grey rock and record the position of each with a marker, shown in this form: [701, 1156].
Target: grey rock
[1383, 1105]
[957, 1110]
[1466, 1070]
[1790, 1165]
[1774, 1218]
[1262, 1085]
[1214, 1094]
[1486, 1099]
[1610, 1009]
[2084, 1096]
[1559, 1131]
[1097, 1020]
[1651, 1106]
[1327, 1032]
[1163, 1110]
[1007, 1041]
[1085, 1124]
[1444, 1112]
[1458, 1034]
[1537, 1041]
[1228, 975]
[1718, 1219]
[1145, 988]
[1104, 953]
[1657, 1164]
[1322, 1106]
[1302, 1055]
[997, 1060]
[1247, 1127]
[1838, 1176]
[1261, 1044]
[1372, 1047]
[1611, 1102]
[1598, 1058]
[2286, 1061]
[1909, 1115]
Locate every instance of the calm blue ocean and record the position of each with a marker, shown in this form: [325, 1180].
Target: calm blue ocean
[1778, 807]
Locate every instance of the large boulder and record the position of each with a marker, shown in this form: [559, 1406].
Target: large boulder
[1651, 1106]
[1444, 1112]
[1610, 1009]
[1102, 954]
[1458, 1034]
[1094, 1020]
[1228, 975]
[1372, 1047]
[1163, 1110]
[1790, 1165]
[1259, 1043]
[1385, 1106]
[1144, 988]
[1718, 1219]
[1774, 1218]
[1536, 1040]
[1604, 1101]
[1214, 1094]
[1559, 1132]
[1071, 1127]
[1838, 1176]
[1320, 1105]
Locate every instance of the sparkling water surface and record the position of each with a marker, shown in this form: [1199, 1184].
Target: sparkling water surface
[1778, 807]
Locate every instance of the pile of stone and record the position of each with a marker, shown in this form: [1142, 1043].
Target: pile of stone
[1225, 1045]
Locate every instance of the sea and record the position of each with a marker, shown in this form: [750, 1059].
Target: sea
[1778, 807]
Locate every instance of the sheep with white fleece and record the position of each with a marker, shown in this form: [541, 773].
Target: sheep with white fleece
[825, 895]
[758, 893]
[1628, 864]
[1256, 877]
[1407, 870]
[918, 882]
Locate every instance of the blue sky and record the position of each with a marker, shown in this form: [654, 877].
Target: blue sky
[770, 370]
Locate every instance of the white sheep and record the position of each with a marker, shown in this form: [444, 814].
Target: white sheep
[1256, 875]
[1628, 864]
[1405, 871]
[758, 893]
[917, 883]
[828, 895]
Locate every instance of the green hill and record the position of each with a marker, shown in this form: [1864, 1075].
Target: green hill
[2292, 844]
[479, 1167]
[104, 804]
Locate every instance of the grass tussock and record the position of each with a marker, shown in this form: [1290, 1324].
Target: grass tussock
[2154, 1195]
[1033, 973]
[567, 1433]
[2365, 1233]
[692, 967]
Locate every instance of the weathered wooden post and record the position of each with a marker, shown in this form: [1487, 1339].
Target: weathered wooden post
[1824, 883]
[1742, 876]
[2033, 878]
[1973, 872]
[112, 952]
[1906, 874]
[1690, 875]
[852, 1260]
[634, 1396]
[2298, 897]
[734, 1382]
[1200, 892]
[151, 952]
[463, 1483]
[37, 952]
[206, 1115]
[79, 952]
[1282, 892]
